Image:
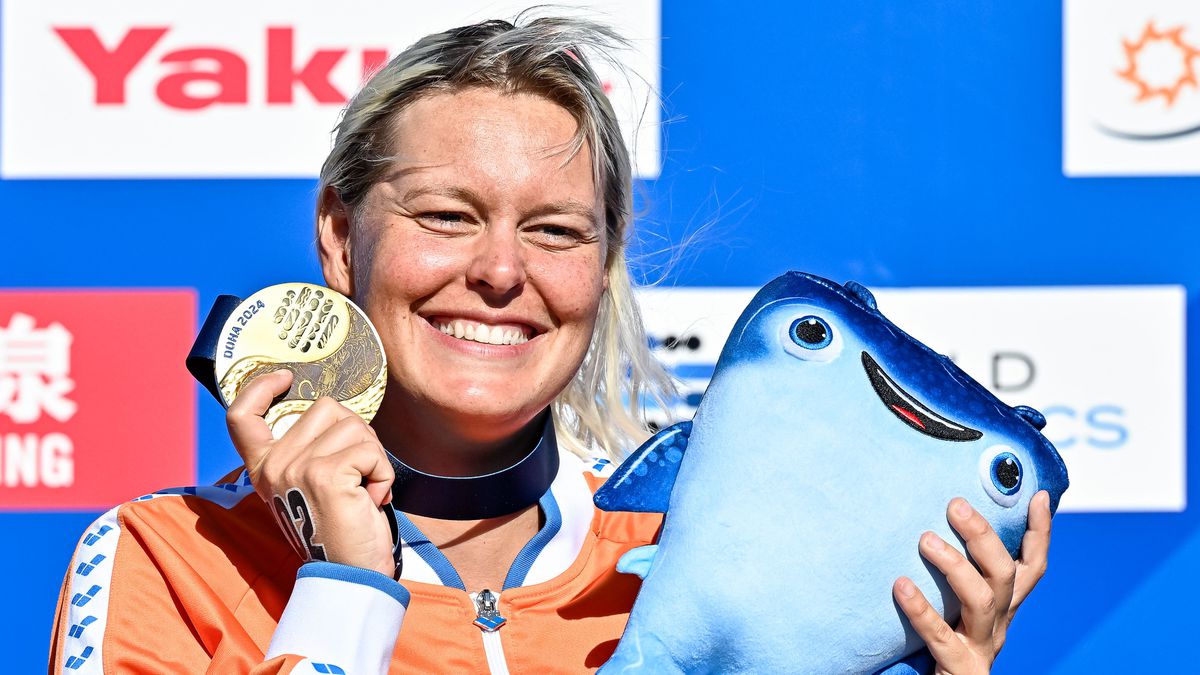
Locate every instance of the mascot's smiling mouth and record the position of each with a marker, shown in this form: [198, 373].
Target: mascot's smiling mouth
[914, 413]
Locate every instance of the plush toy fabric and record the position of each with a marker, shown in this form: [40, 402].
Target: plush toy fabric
[827, 443]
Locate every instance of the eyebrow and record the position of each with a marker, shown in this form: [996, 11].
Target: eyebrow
[568, 207]
[460, 193]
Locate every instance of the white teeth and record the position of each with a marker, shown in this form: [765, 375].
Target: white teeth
[479, 332]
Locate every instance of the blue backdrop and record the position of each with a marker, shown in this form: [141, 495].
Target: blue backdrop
[913, 143]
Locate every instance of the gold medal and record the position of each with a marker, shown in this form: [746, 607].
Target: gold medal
[318, 334]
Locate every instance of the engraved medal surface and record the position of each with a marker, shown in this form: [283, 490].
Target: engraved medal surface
[317, 333]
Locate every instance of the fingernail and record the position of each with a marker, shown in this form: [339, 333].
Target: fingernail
[961, 507]
[906, 588]
[934, 542]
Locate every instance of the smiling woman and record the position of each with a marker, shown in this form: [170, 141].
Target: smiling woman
[487, 226]
[421, 142]
[476, 205]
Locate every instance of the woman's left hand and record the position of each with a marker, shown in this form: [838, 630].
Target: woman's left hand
[990, 595]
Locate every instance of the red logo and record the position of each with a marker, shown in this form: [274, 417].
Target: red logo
[96, 406]
[223, 73]
[196, 77]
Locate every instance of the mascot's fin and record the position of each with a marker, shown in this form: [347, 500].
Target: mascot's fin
[861, 293]
[1036, 419]
[637, 561]
[643, 482]
[918, 663]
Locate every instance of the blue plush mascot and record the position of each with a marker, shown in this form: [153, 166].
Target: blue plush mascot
[828, 441]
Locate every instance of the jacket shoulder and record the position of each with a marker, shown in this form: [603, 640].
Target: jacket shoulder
[169, 563]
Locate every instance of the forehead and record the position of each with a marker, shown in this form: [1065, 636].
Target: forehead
[517, 144]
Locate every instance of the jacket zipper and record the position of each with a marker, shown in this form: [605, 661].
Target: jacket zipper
[489, 621]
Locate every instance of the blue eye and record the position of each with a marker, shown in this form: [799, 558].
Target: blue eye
[811, 332]
[1006, 473]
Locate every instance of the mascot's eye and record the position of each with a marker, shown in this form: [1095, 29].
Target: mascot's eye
[811, 332]
[1002, 475]
[810, 338]
[1006, 473]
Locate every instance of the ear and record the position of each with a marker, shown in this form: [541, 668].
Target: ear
[333, 242]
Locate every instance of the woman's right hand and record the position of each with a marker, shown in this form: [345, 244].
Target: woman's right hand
[327, 478]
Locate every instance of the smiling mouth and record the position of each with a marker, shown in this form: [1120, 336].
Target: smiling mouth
[475, 331]
[911, 411]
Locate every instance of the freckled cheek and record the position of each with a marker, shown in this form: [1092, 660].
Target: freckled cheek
[571, 289]
[403, 275]
[413, 270]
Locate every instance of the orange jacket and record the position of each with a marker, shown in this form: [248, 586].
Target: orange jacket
[197, 580]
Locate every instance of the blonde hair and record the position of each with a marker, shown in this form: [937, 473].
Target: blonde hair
[601, 409]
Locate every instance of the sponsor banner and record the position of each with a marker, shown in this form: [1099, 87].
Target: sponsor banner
[96, 407]
[142, 88]
[1114, 406]
[1131, 85]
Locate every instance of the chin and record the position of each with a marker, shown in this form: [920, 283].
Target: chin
[484, 408]
[496, 410]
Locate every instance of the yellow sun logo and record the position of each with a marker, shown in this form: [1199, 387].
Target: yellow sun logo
[1160, 78]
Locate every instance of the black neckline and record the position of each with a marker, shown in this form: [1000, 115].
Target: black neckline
[474, 497]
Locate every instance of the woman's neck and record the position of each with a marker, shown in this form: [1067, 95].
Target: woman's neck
[481, 551]
[445, 447]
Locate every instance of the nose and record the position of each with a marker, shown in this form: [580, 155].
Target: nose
[497, 268]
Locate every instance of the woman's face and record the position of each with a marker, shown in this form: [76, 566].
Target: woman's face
[480, 260]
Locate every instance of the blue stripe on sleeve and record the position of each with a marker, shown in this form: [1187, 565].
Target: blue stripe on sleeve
[355, 575]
